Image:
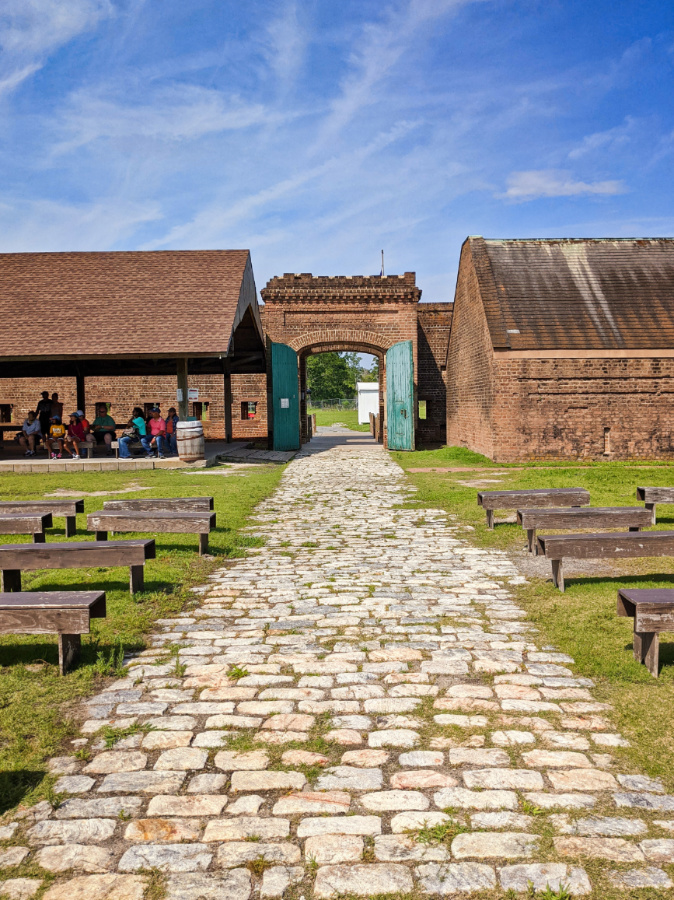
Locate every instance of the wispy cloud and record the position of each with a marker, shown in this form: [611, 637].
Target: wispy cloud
[555, 183]
[174, 112]
[603, 140]
[32, 29]
[284, 46]
[380, 47]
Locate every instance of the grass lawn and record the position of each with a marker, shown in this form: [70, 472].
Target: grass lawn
[347, 417]
[34, 700]
[582, 621]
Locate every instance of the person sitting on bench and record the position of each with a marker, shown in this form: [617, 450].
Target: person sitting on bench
[31, 433]
[57, 433]
[77, 434]
[157, 433]
[136, 431]
[104, 428]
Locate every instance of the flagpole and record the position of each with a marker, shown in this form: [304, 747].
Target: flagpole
[382, 263]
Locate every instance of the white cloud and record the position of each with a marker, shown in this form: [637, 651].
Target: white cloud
[175, 112]
[555, 183]
[380, 47]
[285, 46]
[612, 137]
[32, 29]
[45, 225]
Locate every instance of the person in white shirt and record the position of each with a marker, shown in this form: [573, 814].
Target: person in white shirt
[31, 434]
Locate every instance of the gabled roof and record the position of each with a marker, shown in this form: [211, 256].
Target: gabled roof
[577, 294]
[124, 304]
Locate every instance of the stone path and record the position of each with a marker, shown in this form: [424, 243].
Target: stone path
[358, 708]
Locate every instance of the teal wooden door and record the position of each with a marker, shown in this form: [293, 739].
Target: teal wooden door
[400, 396]
[285, 398]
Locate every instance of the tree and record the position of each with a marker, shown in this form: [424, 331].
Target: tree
[332, 376]
[369, 375]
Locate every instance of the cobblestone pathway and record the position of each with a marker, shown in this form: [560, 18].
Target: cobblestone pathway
[363, 711]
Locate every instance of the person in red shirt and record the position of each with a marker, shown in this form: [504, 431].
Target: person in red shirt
[157, 432]
[77, 434]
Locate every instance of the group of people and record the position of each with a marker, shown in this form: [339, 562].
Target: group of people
[46, 424]
[151, 430]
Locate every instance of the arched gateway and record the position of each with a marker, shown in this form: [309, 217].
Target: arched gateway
[304, 314]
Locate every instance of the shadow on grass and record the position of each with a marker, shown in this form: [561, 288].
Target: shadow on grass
[16, 784]
[665, 580]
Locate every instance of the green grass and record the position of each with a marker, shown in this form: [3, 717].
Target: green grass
[582, 621]
[347, 417]
[35, 703]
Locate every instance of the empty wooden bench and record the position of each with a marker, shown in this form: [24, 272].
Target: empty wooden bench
[653, 612]
[650, 496]
[65, 613]
[534, 499]
[182, 504]
[632, 517]
[615, 545]
[67, 509]
[17, 558]
[26, 523]
[165, 521]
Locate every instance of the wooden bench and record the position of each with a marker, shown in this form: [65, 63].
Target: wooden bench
[615, 545]
[65, 613]
[653, 612]
[67, 509]
[17, 558]
[632, 517]
[165, 521]
[26, 523]
[534, 499]
[650, 496]
[182, 504]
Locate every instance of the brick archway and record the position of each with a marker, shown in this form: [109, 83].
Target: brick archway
[329, 339]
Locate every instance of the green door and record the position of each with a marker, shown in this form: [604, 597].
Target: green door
[400, 396]
[285, 417]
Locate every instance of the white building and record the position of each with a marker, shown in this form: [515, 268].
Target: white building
[368, 400]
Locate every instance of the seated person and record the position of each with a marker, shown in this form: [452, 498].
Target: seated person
[77, 435]
[157, 433]
[57, 433]
[136, 431]
[172, 431]
[104, 427]
[31, 434]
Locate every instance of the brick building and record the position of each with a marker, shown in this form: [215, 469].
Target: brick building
[128, 329]
[563, 349]
[365, 314]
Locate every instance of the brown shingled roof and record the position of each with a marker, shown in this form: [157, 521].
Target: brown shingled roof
[577, 294]
[128, 304]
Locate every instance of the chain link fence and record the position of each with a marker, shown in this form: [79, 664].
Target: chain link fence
[334, 404]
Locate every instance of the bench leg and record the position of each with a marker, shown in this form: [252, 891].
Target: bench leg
[101, 535]
[203, 544]
[136, 581]
[557, 574]
[71, 526]
[651, 506]
[39, 537]
[531, 539]
[69, 649]
[11, 580]
[646, 646]
[490, 518]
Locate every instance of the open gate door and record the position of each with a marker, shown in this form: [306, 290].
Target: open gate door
[400, 396]
[285, 417]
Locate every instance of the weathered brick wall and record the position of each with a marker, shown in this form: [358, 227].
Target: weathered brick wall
[249, 388]
[470, 367]
[583, 408]
[434, 322]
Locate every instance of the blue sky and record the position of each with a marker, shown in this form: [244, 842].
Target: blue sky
[317, 132]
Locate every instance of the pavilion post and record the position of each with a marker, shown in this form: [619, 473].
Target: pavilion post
[79, 390]
[183, 405]
[228, 406]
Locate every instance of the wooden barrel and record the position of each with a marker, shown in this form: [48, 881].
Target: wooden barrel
[190, 438]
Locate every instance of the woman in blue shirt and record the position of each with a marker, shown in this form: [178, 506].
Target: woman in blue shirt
[138, 432]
